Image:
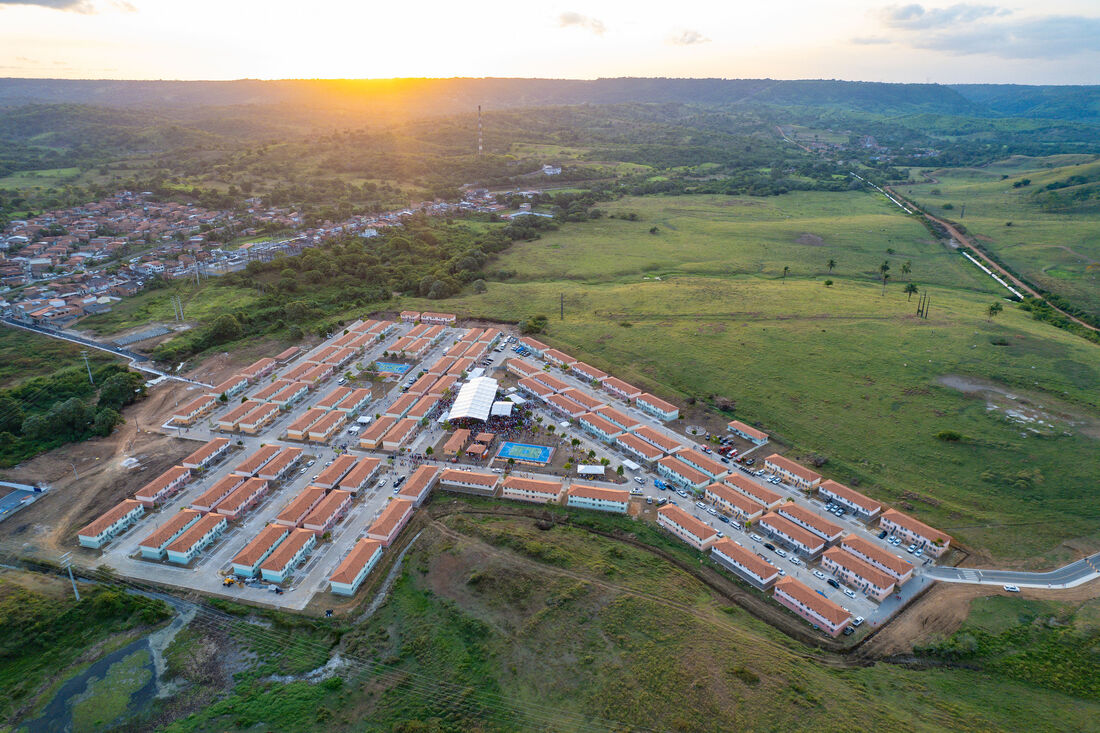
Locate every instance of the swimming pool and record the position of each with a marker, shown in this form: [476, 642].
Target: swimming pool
[388, 367]
[526, 453]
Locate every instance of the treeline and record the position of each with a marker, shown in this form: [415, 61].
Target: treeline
[43, 413]
[303, 293]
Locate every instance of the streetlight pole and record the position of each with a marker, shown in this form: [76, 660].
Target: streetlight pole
[66, 562]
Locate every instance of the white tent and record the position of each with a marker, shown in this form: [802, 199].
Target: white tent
[502, 409]
[475, 399]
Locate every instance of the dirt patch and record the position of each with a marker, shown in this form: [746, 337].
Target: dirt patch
[943, 609]
[810, 240]
[1037, 413]
[88, 478]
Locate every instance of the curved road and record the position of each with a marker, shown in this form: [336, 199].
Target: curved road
[135, 358]
[1067, 576]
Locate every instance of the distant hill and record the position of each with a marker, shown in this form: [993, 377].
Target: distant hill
[434, 96]
[1050, 102]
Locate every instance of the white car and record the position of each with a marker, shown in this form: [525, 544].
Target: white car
[756, 537]
[794, 560]
[382, 484]
[849, 592]
[781, 553]
[820, 575]
[1012, 588]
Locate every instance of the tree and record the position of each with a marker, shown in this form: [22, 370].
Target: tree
[575, 442]
[429, 450]
[994, 309]
[119, 390]
[480, 286]
[591, 454]
[906, 267]
[223, 398]
[883, 269]
[831, 264]
[105, 421]
[885, 277]
[786, 269]
[910, 288]
[226, 328]
[619, 470]
[828, 283]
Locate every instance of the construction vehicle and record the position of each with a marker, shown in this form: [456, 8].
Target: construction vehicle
[228, 581]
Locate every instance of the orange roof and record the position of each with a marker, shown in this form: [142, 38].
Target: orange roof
[683, 469]
[258, 459]
[702, 460]
[662, 441]
[278, 463]
[456, 441]
[272, 389]
[566, 405]
[259, 414]
[688, 522]
[538, 388]
[453, 475]
[747, 430]
[380, 427]
[756, 565]
[796, 468]
[616, 416]
[657, 402]
[195, 405]
[600, 423]
[392, 515]
[327, 507]
[297, 509]
[823, 606]
[333, 398]
[151, 488]
[860, 567]
[420, 478]
[819, 523]
[532, 485]
[332, 475]
[355, 560]
[803, 536]
[260, 544]
[283, 554]
[239, 411]
[112, 515]
[241, 496]
[866, 503]
[591, 403]
[599, 492]
[195, 532]
[876, 553]
[621, 386]
[555, 355]
[308, 417]
[649, 451]
[362, 471]
[218, 491]
[588, 370]
[202, 454]
[747, 486]
[739, 500]
[915, 526]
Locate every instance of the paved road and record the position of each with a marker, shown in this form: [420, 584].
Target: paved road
[1067, 576]
[137, 361]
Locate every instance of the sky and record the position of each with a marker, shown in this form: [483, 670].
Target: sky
[1028, 42]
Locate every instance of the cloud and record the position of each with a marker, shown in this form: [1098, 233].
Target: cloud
[576, 20]
[1047, 37]
[76, 6]
[916, 17]
[870, 40]
[688, 38]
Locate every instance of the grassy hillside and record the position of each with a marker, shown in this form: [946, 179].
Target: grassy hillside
[494, 625]
[24, 354]
[721, 235]
[1048, 235]
[842, 371]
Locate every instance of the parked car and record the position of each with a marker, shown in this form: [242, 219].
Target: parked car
[723, 518]
[701, 505]
[832, 582]
[756, 537]
[882, 534]
[640, 480]
[849, 592]
[769, 546]
[1012, 588]
[911, 549]
[819, 574]
[781, 553]
[794, 560]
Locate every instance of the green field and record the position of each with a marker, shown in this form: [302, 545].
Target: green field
[155, 306]
[841, 372]
[24, 354]
[723, 235]
[1059, 250]
[495, 625]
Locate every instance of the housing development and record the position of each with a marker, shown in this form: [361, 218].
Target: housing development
[252, 509]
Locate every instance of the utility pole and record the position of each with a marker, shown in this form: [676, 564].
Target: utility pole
[562, 315]
[479, 131]
[66, 562]
[84, 353]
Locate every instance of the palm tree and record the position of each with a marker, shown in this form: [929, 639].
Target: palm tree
[883, 269]
[910, 288]
[831, 264]
[906, 267]
[994, 309]
[786, 269]
[885, 277]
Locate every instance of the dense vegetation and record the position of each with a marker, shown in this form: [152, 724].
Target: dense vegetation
[45, 412]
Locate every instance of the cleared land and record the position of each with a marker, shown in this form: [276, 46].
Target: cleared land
[845, 373]
[1052, 240]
